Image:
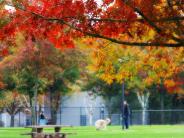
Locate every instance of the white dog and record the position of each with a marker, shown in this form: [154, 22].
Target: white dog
[102, 124]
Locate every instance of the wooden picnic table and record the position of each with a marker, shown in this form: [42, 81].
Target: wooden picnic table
[39, 128]
[37, 131]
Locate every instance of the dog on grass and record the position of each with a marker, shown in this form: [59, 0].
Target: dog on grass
[101, 124]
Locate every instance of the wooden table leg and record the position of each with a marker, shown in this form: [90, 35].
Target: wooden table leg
[57, 129]
[64, 136]
[39, 130]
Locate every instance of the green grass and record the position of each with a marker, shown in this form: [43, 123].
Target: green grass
[166, 131]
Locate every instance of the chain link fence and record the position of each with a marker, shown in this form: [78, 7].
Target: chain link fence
[85, 116]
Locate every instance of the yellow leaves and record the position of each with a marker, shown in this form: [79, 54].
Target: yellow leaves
[122, 75]
[91, 68]
[150, 35]
[139, 33]
[107, 78]
[150, 65]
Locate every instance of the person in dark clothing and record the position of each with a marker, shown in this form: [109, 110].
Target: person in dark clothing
[126, 114]
[42, 119]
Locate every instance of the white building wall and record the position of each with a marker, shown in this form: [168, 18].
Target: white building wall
[76, 105]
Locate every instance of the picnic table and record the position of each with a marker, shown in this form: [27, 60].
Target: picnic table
[37, 131]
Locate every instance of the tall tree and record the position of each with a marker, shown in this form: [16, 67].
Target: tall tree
[140, 68]
[40, 67]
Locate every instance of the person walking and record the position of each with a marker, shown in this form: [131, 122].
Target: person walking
[126, 114]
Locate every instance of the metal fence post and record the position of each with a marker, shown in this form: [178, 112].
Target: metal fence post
[122, 106]
[19, 118]
[60, 115]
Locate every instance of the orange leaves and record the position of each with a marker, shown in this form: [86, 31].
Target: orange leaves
[156, 65]
[59, 39]
[169, 83]
[116, 4]
[149, 81]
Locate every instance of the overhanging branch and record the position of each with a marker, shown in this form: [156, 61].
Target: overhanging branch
[62, 21]
[169, 19]
[108, 38]
[157, 29]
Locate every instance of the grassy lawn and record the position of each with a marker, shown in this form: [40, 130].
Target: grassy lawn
[166, 131]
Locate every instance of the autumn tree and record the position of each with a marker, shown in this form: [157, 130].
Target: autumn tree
[11, 101]
[14, 103]
[41, 68]
[140, 68]
[108, 19]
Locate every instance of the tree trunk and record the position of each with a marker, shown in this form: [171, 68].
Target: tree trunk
[143, 100]
[90, 103]
[12, 119]
[89, 112]
[144, 116]
[54, 116]
[33, 112]
[91, 117]
[55, 101]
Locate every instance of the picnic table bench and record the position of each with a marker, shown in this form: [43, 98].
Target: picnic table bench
[37, 131]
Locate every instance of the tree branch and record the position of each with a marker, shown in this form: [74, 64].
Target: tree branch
[61, 21]
[157, 29]
[112, 39]
[169, 19]
[147, 20]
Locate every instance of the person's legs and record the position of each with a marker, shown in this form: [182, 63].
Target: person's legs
[126, 122]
